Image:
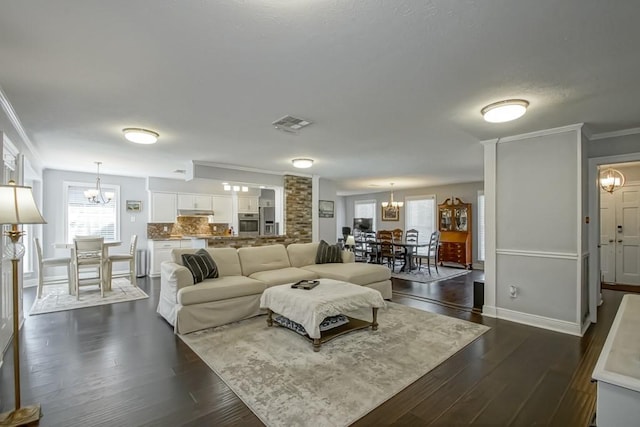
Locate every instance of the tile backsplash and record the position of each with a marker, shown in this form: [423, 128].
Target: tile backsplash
[184, 225]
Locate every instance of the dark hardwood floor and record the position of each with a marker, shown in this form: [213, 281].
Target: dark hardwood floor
[121, 365]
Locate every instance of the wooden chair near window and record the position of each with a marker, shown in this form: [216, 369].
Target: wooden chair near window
[130, 258]
[88, 254]
[385, 248]
[52, 262]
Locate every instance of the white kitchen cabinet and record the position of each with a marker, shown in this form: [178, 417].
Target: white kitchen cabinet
[194, 202]
[222, 209]
[163, 207]
[160, 250]
[247, 204]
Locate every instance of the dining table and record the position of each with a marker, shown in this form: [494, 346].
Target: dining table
[408, 250]
[106, 283]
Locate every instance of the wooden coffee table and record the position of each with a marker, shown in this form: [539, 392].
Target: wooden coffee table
[330, 298]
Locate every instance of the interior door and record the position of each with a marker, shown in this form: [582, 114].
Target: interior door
[607, 237]
[628, 235]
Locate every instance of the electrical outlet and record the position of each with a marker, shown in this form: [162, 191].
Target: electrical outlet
[513, 291]
[166, 228]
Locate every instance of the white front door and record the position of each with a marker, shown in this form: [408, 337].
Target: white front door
[628, 235]
[607, 237]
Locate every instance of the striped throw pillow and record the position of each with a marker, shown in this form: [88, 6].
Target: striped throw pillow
[328, 253]
[201, 265]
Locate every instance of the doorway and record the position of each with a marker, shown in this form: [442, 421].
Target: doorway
[620, 229]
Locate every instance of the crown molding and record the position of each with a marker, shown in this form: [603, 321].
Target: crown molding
[544, 132]
[623, 132]
[17, 125]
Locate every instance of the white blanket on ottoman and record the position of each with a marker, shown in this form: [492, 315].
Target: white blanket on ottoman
[310, 307]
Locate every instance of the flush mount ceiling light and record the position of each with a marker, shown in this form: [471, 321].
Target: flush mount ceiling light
[505, 111]
[141, 136]
[611, 179]
[302, 163]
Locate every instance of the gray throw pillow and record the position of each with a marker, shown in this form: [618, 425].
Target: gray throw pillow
[201, 265]
[328, 253]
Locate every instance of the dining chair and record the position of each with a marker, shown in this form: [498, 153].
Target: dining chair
[130, 258]
[51, 262]
[88, 255]
[432, 251]
[411, 236]
[385, 244]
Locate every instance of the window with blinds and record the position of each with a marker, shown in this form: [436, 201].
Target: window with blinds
[366, 209]
[420, 214]
[481, 252]
[88, 219]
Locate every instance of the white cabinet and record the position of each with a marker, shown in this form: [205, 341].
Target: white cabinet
[247, 204]
[222, 209]
[160, 251]
[163, 207]
[194, 202]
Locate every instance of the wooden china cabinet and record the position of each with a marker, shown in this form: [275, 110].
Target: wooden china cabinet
[454, 223]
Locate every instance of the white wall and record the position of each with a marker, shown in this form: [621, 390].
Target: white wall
[538, 195]
[327, 226]
[53, 208]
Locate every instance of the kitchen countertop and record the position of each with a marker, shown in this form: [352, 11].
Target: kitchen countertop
[215, 237]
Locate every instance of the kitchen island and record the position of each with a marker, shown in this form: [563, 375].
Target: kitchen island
[211, 241]
[160, 246]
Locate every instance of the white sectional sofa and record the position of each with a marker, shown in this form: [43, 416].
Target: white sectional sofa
[243, 274]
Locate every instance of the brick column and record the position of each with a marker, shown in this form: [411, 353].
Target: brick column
[297, 205]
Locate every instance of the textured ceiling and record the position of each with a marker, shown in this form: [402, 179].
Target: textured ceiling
[393, 88]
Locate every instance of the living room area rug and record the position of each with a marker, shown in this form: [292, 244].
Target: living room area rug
[276, 373]
[423, 276]
[57, 298]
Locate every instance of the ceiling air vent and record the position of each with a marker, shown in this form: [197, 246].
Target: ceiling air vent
[290, 123]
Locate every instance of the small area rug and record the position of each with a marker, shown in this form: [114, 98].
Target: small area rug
[57, 298]
[422, 276]
[284, 382]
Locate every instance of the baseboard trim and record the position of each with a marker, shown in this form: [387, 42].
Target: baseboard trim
[534, 320]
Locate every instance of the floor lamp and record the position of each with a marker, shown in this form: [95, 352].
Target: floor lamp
[17, 206]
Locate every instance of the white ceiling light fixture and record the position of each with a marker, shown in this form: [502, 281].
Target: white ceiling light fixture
[141, 136]
[95, 195]
[391, 204]
[611, 179]
[505, 111]
[302, 163]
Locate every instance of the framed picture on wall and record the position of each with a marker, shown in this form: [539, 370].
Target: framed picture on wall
[390, 214]
[134, 206]
[325, 208]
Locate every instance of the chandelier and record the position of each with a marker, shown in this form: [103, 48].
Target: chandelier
[611, 179]
[391, 203]
[95, 195]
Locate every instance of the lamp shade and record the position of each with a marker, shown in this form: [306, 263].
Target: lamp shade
[17, 206]
[351, 241]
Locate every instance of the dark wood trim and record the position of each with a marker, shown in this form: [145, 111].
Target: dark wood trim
[623, 288]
